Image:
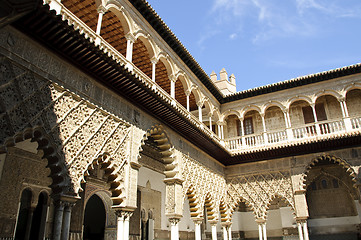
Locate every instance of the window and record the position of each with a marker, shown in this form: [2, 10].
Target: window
[308, 113]
[248, 126]
[324, 183]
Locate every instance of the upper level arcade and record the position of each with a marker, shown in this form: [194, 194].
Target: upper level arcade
[308, 113]
[305, 109]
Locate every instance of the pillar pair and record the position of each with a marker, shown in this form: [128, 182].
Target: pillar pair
[302, 229]
[62, 217]
[262, 230]
[227, 231]
[123, 217]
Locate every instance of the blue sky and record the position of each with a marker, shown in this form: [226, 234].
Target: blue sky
[266, 41]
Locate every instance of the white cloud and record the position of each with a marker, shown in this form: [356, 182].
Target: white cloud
[233, 36]
[273, 20]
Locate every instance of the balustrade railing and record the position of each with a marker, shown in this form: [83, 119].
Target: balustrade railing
[275, 137]
[311, 130]
[356, 122]
[308, 130]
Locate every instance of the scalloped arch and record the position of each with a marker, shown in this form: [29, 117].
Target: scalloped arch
[333, 159]
[113, 173]
[160, 137]
[58, 171]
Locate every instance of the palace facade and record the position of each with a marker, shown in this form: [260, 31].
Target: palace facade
[111, 130]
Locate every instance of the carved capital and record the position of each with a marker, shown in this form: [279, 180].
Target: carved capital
[174, 221]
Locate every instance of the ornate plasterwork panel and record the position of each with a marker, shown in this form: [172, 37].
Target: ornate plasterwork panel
[79, 130]
[205, 183]
[258, 190]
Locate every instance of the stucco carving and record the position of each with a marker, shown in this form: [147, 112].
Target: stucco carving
[257, 191]
[33, 107]
[207, 186]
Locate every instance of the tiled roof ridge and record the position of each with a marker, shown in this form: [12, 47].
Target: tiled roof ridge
[298, 78]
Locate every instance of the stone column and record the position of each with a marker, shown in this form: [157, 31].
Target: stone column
[230, 232]
[197, 228]
[214, 229]
[264, 231]
[242, 131]
[210, 121]
[305, 230]
[219, 130]
[318, 130]
[123, 216]
[129, 55]
[188, 93]
[174, 232]
[120, 225]
[172, 86]
[200, 105]
[66, 220]
[154, 63]
[262, 234]
[101, 11]
[265, 137]
[260, 231]
[224, 227]
[58, 219]
[29, 222]
[346, 117]
[289, 132]
[300, 234]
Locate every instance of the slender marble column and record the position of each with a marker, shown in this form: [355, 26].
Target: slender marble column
[126, 224]
[154, 63]
[66, 221]
[305, 230]
[300, 234]
[214, 230]
[174, 228]
[260, 231]
[29, 222]
[200, 105]
[188, 108]
[318, 130]
[224, 233]
[101, 12]
[197, 229]
[210, 122]
[120, 225]
[264, 231]
[265, 137]
[58, 220]
[172, 86]
[230, 232]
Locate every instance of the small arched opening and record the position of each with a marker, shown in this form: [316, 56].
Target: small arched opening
[94, 219]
